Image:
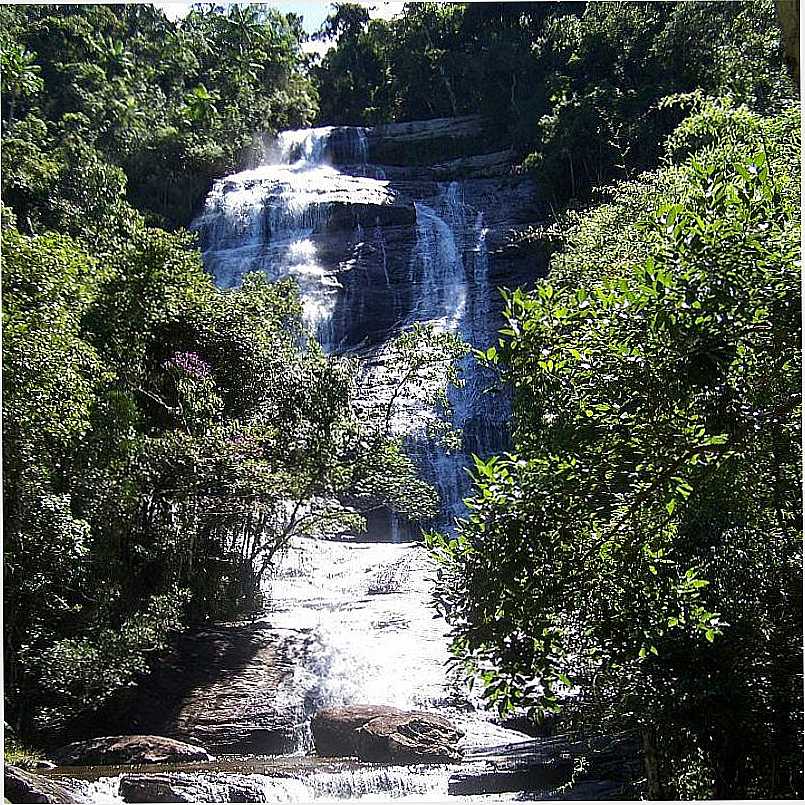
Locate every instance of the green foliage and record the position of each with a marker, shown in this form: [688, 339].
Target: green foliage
[641, 546]
[82, 672]
[17, 754]
[435, 59]
[577, 88]
[174, 104]
[609, 70]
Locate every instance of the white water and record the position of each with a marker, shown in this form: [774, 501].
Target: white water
[266, 219]
[383, 784]
[377, 639]
[449, 274]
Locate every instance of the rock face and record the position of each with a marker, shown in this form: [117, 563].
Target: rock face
[178, 787]
[385, 734]
[252, 698]
[22, 786]
[498, 163]
[129, 749]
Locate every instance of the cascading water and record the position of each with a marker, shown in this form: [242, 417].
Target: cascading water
[449, 277]
[267, 219]
[370, 256]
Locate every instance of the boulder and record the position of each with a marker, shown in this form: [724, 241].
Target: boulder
[378, 733]
[178, 787]
[22, 786]
[128, 749]
[409, 738]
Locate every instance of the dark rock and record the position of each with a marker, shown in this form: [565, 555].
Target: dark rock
[231, 688]
[498, 163]
[379, 733]
[529, 727]
[117, 749]
[425, 130]
[180, 787]
[334, 728]
[501, 781]
[22, 786]
[255, 701]
[153, 788]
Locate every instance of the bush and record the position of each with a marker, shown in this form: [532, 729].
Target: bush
[641, 547]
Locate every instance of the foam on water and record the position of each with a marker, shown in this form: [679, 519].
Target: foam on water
[266, 218]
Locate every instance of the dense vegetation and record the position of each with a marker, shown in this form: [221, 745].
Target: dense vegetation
[636, 561]
[162, 440]
[638, 548]
[574, 87]
[174, 104]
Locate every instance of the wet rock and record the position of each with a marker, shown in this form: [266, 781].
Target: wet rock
[379, 733]
[22, 786]
[253, 698]
[113, 750]
[501, 781]
[424, 130]
[334, 728]
[181, 787]
[482, 165]
[409, 738]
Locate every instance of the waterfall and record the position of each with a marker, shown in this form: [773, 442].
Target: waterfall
[354, 617]
[449, 277]
[271, 218]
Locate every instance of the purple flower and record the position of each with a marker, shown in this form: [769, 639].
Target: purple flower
[188, 362]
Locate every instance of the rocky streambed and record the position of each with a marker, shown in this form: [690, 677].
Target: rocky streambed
[349, 649]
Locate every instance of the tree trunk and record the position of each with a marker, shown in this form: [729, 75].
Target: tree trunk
[788, 17]
[651, 763]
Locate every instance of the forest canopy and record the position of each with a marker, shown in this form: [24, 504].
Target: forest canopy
[574, 87]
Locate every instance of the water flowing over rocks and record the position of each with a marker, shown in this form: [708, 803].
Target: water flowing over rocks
[180, 787]
[379, 239]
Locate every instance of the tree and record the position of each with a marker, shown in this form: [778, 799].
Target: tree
[788, 14]
[641, 546]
